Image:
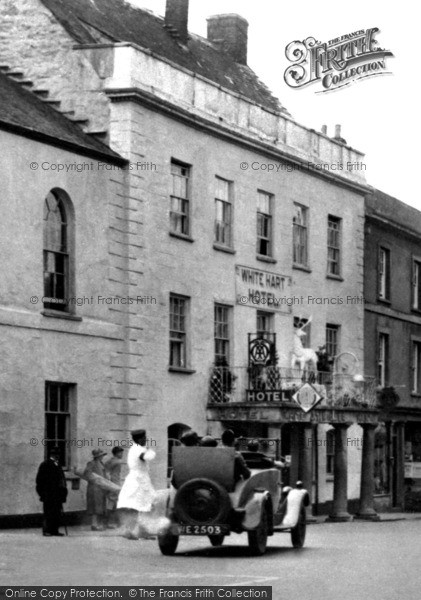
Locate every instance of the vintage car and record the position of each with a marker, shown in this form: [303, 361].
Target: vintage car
[205, 500]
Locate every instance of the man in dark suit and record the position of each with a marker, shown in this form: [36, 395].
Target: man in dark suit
[52, 491]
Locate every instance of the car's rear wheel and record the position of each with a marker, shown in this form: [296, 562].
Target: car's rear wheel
[217, 540]
[298, 533]
[258, 537]
[168, 543]
[202, 502]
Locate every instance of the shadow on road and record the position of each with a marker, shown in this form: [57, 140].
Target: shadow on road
[240, 552]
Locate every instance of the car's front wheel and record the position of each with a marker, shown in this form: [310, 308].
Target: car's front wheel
[258, 537]
[298, 533]
[217, 540]
[168, 543]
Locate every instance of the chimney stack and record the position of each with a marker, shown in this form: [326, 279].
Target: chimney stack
[338, 136]
[176, 18]
[229, 32]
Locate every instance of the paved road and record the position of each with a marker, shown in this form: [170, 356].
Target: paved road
[347, 561]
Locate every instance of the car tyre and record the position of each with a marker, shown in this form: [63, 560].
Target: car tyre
[298, 533]
[217, 540]
[258, 537]
[168, 543]
[183, 506]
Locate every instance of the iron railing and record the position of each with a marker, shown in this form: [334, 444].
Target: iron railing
[234, 384]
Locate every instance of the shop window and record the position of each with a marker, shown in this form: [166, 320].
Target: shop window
[180, 199]
[264, 224]
[330, 451]
[334, 246]
[223, 212]
[59, 410]
[381, 460]
[300, 235]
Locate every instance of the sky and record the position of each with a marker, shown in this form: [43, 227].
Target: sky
[379, 115]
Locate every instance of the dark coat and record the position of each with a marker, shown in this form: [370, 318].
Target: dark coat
[51, 483]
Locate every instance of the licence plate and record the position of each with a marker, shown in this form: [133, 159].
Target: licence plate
[203, 529]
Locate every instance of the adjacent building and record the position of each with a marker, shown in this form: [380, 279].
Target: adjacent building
[393, 345]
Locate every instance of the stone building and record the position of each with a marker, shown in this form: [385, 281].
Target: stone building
[242, 230]
[393, 345]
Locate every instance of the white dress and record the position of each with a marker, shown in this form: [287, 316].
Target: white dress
[137, 492]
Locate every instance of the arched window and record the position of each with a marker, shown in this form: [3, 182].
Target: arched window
[56, 251]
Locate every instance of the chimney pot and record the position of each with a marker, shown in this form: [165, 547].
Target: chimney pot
[177, 15]
[324, 129]
[230, 32]
[338, 137]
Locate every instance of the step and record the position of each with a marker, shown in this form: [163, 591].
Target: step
[41, 93]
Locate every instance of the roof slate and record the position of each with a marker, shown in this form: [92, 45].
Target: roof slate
[119, 21]
[21, 109]
[393, 210]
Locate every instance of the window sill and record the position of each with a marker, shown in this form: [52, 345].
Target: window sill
[55, 314]
[415, 394]
[222, 248]
[267, 259]
[181, 370]
[330, 478]
[384, 300]
[417, 311]
[181, 236]
[334, 277]
[301, 268]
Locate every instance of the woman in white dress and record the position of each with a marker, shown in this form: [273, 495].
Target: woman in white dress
[137, 494]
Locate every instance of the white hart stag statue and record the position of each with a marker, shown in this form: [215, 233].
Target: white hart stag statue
[302, 356]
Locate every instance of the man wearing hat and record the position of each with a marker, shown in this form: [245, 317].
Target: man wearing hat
[137, 493]
[96, 496]
[52, 491]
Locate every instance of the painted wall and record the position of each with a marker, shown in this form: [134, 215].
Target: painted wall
[37, 348]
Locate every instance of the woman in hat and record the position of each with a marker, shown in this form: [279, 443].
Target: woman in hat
[95, 496]
[137, 493]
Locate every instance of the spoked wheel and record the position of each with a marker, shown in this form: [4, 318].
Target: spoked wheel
[298, 533]
[168, 543]
[258, 537]
[217, 540]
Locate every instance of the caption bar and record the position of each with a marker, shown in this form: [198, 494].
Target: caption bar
[127, 593]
